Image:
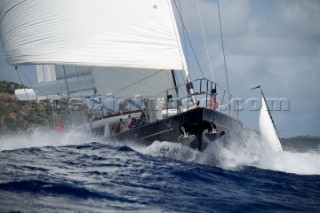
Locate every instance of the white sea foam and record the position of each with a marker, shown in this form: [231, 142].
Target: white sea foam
[44, 137]
[252, 152]
[167, 149]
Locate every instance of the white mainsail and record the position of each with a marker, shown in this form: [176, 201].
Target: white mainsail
[267, 129]
[121, 42]
[45, 73]
[90, 80]
[68, 81]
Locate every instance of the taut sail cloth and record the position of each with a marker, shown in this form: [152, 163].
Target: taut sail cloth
[131, 39]
[267, 129]
[80, 81]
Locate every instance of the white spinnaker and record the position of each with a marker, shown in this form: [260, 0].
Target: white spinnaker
[267, 128]
[107, 33]
[128, 37]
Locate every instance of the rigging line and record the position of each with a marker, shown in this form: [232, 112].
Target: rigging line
[24, 88]
[224, 56]
[185, 46]
[29, 100]
[184, 36]
[172, 88]
[26, 78]
[178, 41]
[137, 81]
[205, 40]
[65, 78]
[188, 38]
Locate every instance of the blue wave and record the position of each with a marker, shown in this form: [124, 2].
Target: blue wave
[35, 186]
[116, 177]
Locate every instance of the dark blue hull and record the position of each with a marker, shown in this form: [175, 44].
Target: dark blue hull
[196, 123]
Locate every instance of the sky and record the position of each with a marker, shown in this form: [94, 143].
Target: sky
[274, 44]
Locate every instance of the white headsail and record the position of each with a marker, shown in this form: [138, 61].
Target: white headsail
[267, 129]
[108, 33]
[119, 40]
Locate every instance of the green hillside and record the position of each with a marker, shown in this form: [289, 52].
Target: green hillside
[20, 116]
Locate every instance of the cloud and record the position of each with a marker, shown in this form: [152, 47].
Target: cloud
[300, 17]
[275, 44]
[234, 11]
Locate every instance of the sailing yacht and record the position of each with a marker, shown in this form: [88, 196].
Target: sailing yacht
[119, 49]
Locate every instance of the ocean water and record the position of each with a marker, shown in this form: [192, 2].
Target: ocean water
[73, 172]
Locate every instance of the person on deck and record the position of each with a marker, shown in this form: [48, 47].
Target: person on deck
[133, 123]
[129, 120]
[59, 128]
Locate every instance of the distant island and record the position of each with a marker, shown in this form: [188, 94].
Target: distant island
[301, 143]
[20, 116]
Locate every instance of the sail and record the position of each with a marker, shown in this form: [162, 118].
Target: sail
[80, 81]
[121, 82]
[65, 71]
[68, 85]
[106, 33]
[45, 73]
[58, 81]
[267, 128]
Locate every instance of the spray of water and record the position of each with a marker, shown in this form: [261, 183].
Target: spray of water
[254, 152]
[237, 154]
[250, 152]
[44, 137]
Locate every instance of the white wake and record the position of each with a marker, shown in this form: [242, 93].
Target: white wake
[252, 152]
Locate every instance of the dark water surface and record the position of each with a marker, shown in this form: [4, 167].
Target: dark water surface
[74, 174]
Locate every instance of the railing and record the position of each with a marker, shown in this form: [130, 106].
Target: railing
[207, 93]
